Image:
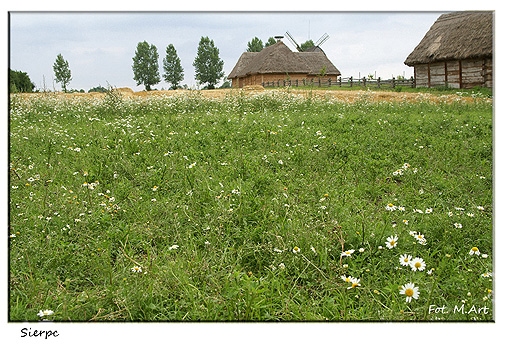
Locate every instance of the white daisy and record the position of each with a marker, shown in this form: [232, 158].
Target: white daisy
[405, 260]
[46, 312]
[418, 264]
[410, 291]
[475, 251]
[347, 253]
[391, 241]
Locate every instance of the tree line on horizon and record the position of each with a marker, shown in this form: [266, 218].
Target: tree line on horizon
[208, 67]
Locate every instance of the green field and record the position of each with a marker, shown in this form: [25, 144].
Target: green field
[274, 206]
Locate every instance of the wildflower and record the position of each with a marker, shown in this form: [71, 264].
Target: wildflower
[416, 210]
[296, 250]
[192, 165]
[354, 282]
[154, 188]
[475, 251]
[175, 246]
[487, 275]
[405, 260]
[406, 166]
[430, 272]
[137, 269]
[12, 236]
[347, 253]
[280, 162]
[428, 210]
[278, 250]
[391, 207]
[46, 312]
[361, 250]
[391, 241]
[457, 225]
[282, 266]
[418, 264]
[345, 279]
[420, 237]
[480, 208]
[484, 256]
[313, 250]
[405, 221]
[410, 291]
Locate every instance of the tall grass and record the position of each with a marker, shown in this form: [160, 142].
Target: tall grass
[188, 208]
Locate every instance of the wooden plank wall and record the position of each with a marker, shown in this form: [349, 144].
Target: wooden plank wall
[455, 74]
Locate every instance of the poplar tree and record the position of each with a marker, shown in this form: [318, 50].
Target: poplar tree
[62, 72]
[146, 65]
[173, 71]
[208, 65]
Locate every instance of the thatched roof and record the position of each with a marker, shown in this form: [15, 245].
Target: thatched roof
[456, 36]
[279, 59]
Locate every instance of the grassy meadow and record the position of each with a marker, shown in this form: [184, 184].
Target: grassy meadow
[266, 206]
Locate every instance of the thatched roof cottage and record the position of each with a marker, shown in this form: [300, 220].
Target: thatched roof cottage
[456, 52]
[278, 62]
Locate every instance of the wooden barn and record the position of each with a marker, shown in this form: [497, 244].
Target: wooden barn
[278, 62]
[456, 52]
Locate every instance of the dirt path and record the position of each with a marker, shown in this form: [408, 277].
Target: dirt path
[341, 95]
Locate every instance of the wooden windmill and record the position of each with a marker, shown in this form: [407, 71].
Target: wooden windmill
[318, 43]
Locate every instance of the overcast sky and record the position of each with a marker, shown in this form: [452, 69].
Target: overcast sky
[99, 46]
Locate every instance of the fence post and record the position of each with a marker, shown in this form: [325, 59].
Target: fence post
[330, 82]
[379, 82]
[393, 82]
[351, 79]
[364, 81]
[413, 82]
[339, 81]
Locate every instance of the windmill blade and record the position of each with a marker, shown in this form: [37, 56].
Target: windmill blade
[322, 39]
[293, 41]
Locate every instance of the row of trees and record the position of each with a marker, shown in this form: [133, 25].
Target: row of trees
[209, 68]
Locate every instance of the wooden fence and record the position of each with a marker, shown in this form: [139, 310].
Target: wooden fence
[342, 82]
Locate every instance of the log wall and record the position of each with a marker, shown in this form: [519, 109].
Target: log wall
[463, 74]
[259, 79]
